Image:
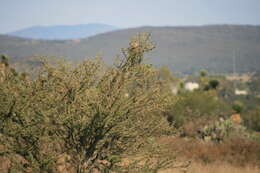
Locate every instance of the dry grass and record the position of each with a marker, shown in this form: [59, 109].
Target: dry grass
[236, 155]
[215, 168]
[237, 151]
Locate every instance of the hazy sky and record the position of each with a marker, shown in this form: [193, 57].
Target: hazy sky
[18, 14]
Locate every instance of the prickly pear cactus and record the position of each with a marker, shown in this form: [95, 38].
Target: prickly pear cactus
[221, 130]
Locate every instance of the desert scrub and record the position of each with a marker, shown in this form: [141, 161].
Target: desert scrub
[192, 106]
[222, 130]
[251, 119]
[91, 113]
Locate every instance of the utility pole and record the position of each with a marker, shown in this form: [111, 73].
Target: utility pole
[234, 68]
[236, 51]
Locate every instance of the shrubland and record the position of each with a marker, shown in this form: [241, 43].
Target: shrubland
[91, 114]
[91, 117]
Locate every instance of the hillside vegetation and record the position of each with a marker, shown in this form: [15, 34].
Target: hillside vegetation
[125, 118]
[183, 49]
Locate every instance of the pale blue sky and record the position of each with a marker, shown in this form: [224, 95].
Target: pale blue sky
[18, 14]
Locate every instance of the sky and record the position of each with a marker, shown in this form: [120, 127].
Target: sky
[19, 14]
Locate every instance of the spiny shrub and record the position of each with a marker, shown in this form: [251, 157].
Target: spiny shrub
[91, 113]
[221, 130]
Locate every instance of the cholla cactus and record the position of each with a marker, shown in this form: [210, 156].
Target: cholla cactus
[81, 111]
[3, 67]
[134, 54]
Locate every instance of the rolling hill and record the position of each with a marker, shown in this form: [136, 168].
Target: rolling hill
[63, 32]
[183, 49]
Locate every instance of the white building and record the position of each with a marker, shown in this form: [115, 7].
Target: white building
[191, 86]
[240, 92]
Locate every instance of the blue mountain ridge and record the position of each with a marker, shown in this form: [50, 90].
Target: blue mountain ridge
[63, 32]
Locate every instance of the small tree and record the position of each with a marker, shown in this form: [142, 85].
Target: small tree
[251, 119]
[238, 106]
[203, 73]
[108, 123]
[192, 106]
[213, 84]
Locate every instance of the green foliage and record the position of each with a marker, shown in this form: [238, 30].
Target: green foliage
[203, 73]
[238, 106]
[91, 113]
[181, 85]
[194, 105]
[251, 119]
[25, 127]
[221, 130]
[213, 84]
[4, 60]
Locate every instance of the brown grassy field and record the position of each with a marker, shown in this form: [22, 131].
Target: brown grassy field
[234, 156]
[214, 168]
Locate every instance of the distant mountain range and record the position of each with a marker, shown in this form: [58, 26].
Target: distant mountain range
[183, 49]
[63, 32]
